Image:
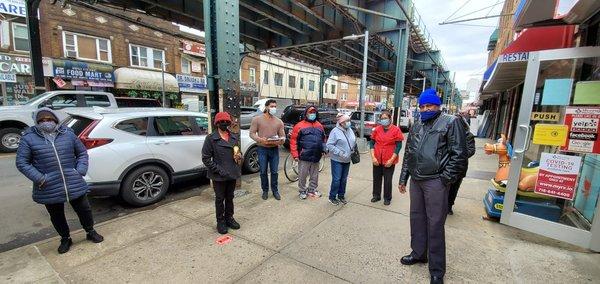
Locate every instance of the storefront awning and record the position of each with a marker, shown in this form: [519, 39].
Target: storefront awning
[532, 13]
[511, 65]
[146, 80]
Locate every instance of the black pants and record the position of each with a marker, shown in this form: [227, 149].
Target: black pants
[83, 209]
[224, 199]
[379, 173]
[453, 193]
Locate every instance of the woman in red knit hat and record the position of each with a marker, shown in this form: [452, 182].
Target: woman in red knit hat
[222, 157]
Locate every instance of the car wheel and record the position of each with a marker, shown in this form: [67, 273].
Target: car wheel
[145, 185]
[251, 161]
[9, 139]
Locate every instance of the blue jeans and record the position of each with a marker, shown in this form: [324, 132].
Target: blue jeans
[268, 157]
[339, 178]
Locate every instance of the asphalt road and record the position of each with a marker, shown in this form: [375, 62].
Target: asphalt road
[23, 221]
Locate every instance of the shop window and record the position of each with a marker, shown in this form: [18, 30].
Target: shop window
[20, 37]
[278, 78]
[292, 81]
[311, 85]
[86, 47]
[252, 75]
[186, 66]
[146, 57]
[266, 77]
[301, 83]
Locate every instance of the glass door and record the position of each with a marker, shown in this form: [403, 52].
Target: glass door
[554, 175]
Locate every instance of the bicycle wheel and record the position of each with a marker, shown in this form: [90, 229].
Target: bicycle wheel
[290, 168]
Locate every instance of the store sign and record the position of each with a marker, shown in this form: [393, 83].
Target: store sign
[191, 84]
[59, 82]
[583, 124]
[514, 57]
[550, 134]
[8, 77]
[19, 65]
[82, 70]
[545, 116]
[248, 87]
[558, 175]
[193, 48]
[13, 7]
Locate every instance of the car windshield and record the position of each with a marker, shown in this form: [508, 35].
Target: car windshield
[34, 99]
[369, 116]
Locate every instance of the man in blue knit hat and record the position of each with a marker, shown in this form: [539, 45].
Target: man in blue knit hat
[434, 159]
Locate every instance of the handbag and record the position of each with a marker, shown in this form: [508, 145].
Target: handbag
[355, 155]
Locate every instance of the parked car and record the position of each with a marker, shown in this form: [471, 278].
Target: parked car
[138, 153]
[124, 102]
[14, 119]
[295, 113]
[404, 121]
[345, 111]
[371, 119]
[246, 115]
[282, 104]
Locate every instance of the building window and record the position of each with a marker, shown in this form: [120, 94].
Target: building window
[202, 68]
[252, 75]
[266, 77]
[301, 83]
[292, 81]
[344, 96]
[278, 78]
[311, 85]
[86, 47]
[326, 86]
[20, 37]
[333, 89]
[344, 86]
[186, 66]
[142, 56]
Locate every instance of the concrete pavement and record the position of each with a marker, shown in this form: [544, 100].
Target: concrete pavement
[295, 241]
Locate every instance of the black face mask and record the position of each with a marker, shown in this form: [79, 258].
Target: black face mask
[224, 125]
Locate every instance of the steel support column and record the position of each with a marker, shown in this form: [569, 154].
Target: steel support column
[35, 47]
[401, 58]
[221, 26]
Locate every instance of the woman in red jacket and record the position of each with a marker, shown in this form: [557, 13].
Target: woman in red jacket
[386, 142]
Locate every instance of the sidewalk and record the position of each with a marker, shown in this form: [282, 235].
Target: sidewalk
[294, 241]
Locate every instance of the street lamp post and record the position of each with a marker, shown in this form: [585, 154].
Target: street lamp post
[363, 85]
[164, 97]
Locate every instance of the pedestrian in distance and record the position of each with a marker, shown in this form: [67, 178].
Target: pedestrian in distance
[470, 144]
[222, 157]
[386, 142]
[340, 144]
[435, 157]
[55, 160]
[267, 131]
[307, 145]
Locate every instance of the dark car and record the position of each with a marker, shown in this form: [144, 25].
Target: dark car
[295, 113]
[125, 102]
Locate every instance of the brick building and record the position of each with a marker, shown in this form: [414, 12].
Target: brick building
[249, 79]
[349, 92]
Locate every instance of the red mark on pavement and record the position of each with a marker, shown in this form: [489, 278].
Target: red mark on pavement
[224, 240]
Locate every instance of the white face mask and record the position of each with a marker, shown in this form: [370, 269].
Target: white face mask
[272, 110]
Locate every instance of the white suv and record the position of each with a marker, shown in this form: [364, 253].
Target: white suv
[138, 153]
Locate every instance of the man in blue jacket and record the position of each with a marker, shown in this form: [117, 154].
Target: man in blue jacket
[55, 160]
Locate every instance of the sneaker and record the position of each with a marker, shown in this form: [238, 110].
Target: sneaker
[276, 195]
[303, 195]
[315, 193]
[335, 202]
[231, 223]
[94, 236]
[65, 245]
[265, 195]
[342, 200]
[222, 228]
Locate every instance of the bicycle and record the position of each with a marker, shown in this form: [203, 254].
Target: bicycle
[290, 167]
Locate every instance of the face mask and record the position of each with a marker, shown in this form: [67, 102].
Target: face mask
[223, 125]
[346, 125]
[429, 114]
[384, 122]
[47, 126]
[273, 110]
[312, 116]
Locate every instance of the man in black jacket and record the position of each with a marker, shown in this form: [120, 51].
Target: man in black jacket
[470, 143]
[435, 158]
[222, 157]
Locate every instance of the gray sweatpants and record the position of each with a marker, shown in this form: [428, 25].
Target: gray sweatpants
[310, 170]
[428, 210]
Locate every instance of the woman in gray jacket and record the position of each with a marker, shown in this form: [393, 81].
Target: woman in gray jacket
[340, 143]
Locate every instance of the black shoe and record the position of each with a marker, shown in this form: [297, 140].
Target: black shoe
[94, 236]
[276, 195]
[375, 199]
[231, 223]
[265, 195]
[410, 260]
[65, 245]
[437, 280]
[342, 200]
[335, 202]
[450, 212]
[386, 202]
[222, 228]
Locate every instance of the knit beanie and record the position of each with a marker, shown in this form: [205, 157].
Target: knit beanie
[342, 118]
[429, 96]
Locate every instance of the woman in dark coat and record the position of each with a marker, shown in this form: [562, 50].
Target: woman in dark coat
[56, 160]
[222, 157]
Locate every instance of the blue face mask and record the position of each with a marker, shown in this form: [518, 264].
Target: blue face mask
[311, 116]
[272, 111]
[384, 122]
[346, 125]
[429, 114]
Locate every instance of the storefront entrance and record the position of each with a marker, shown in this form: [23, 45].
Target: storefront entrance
[554, 176]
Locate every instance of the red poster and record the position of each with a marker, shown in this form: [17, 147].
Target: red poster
[193, 48]
[59, 82]
[558, 175]
[584, 125]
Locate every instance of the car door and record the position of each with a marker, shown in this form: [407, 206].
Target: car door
[176, 140]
